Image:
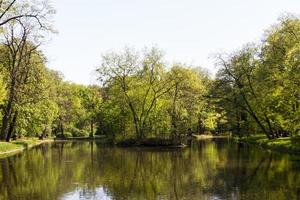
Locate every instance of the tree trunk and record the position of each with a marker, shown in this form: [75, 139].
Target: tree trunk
[4, 127]
[137, 131]
[5, 120]
[92, 128]
[62, 129]
[12, 127]
[238, 125]
[251, 112]
[201, 128]
[174, 120]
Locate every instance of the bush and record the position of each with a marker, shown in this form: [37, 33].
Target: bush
[78, 132]
[65, 135]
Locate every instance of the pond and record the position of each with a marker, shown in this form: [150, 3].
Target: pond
[208, 169]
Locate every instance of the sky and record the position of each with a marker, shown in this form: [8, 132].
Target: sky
[188, 31]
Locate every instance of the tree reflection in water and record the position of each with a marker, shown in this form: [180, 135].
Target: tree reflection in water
[211, 169]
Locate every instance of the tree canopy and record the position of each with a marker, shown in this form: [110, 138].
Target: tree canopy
[139, 94]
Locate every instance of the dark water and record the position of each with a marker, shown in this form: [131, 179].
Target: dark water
[211, 169]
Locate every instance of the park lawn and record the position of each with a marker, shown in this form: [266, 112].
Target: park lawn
[9, 146]
[285, 144]
[19, 145]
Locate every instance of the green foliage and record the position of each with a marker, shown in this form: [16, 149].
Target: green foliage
[76, 132]
[143, 97]
[258, 86]
[2, 90]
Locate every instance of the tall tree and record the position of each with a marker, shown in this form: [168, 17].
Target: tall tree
[11, 10]
[141, 80]
[23, 65]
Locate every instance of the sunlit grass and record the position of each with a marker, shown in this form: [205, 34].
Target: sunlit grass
[6, 146]
[284, 144]
[18, 145]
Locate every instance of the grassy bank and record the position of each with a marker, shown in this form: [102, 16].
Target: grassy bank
[210, 136]
[286, 144]
[8, 148]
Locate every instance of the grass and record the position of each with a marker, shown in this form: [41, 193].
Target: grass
[285, 144]
[8, 148]
[209, 136]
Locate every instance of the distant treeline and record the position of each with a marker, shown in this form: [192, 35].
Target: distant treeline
[139, 95]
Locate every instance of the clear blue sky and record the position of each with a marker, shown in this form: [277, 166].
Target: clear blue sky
[189, 31]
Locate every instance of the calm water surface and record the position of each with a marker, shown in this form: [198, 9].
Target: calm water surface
[211, 169]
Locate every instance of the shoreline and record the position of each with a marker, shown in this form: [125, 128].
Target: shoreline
[18, 146]
[66, 139]
[289, 145]
[151, 142]
[203, 137]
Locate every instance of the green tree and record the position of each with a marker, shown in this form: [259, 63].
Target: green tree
[140, 79]
[91, 101]
[262, 82]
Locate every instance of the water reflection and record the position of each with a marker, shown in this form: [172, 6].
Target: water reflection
[216, 169]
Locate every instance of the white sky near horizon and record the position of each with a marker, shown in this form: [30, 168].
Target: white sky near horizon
[188, 31]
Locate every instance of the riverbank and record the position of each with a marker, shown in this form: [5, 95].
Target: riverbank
[203, 137]
[13, 147]
[150, 142]
[284, 145]
[95, 138]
